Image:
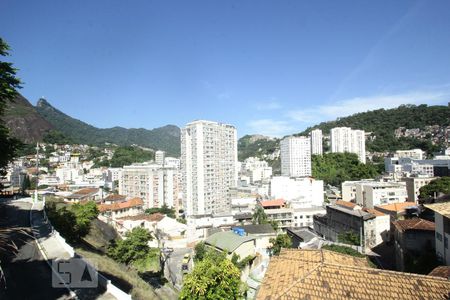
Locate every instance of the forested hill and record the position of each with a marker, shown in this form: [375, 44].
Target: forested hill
[382, 123]
[165, 138]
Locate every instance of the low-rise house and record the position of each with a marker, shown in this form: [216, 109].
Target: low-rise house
[262, 234]
[322, 274]
[146, 221]
[87, 194]
[127, 208]
[303, 237]
[396, 211]
[372, 227]
[171, 233]
[442, 235]
[413, 238]
[113, 198]
[232, 243]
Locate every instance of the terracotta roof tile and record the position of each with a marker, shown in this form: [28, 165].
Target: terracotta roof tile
[397, 207]
[322, 274]
[115, 197]
[441, 271]
[374, 212]
[83, 193]
[440, 208]
[345, 204]
[277, 202]
[156, 217]
[121, 205]
[414, 224]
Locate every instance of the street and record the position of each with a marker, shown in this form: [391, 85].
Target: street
[27, 274]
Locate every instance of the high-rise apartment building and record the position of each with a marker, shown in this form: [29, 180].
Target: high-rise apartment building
[316, 142]
[208, 166]
[296, 156]
[344, 139]
[154, 184]
[159, 157]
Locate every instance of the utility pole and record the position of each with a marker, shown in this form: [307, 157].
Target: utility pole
[37, 171]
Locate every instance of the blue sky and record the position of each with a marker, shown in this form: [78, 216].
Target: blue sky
[268, 67]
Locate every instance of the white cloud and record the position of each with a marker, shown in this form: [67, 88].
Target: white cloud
[362, 104]
[271, 127]
[272, 105]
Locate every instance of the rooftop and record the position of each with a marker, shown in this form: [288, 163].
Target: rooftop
[227, 240]
[115, 197]
[83, 193]
[258, 229]
[346, 204]
[414, 224]
[121, 205]
[323, 274]
[440, 208]
[156, 217]
[396, 207]
[441, 271]
[269, 203]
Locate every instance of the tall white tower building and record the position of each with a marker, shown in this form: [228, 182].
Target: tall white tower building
[316, 142]
[296, 156]
[344, 139]
[208, 166]
[159, 157]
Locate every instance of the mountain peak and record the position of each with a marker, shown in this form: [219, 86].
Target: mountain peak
[42, 103]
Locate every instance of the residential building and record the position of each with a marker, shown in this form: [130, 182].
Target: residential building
[413, 154]
[413, 185]
[208, 167]
[371, 226]
[303, 237]
[262, 234]
[344, 139]
[172, 162]
[299, 192]
[316, 142]
[113, 174]
[303, 217]
[127, 208]
[397, 211]
[370, 193]
[257, 170]
[232, 243]
[155, 184]
[159, 157]
[87, 194]
[413, 239]
[296, 156]
[442, 228]
[323, 274]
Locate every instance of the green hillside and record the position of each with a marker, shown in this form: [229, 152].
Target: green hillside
[383, 122]
[165, 138]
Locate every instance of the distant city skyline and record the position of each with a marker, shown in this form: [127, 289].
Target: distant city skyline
[271, 68]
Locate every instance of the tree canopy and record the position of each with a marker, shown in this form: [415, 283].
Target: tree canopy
[281, 241]
[134, 247]
[9, 84]
[126, 155]
[334, 168]
[213, 277]
[435, 187]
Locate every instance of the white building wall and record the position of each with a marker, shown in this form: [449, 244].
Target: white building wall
[316, 142]
[344, 139]
[299, 192]
[208, 166]
[296, 156]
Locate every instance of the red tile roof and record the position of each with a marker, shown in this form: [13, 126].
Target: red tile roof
[121, 205]
[156, 217]
[115, 197]
[397, 207]
[269, 203]
[374, 212]
[414, 224]
[83, 193]
[441, 271]
[345, 204]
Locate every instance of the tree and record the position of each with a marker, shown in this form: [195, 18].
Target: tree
[349, 237]
[259, 216]
[132, 248]
[8, 85]
[214, 277]
[435, 187]
[200, 251]
[281, 241]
